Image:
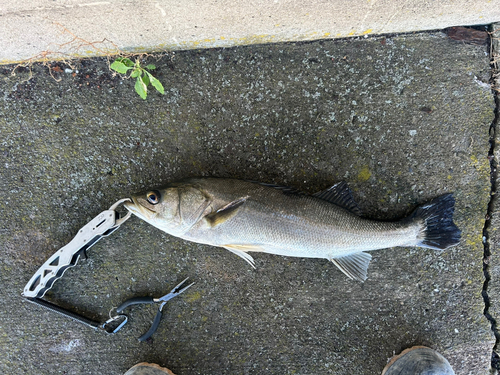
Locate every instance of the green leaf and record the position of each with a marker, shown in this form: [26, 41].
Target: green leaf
[151, 67]
[119, 67]
[141, 88]
[126, 62]
[156, 84]
[145, 78]
[136, 73]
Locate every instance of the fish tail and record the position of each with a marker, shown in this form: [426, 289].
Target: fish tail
[439, 231]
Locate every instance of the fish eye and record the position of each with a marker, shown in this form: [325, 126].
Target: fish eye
[153, 197]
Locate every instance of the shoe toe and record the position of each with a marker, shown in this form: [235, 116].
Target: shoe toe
[418, 361]
[145, 368]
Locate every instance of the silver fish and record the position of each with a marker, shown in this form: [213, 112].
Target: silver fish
[243, 216]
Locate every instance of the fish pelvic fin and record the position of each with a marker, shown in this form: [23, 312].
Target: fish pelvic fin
[354, 266]
[225, 213]
[439, 232]
[241, 251]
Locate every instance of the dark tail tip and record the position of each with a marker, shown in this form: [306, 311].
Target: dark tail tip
[440, 231]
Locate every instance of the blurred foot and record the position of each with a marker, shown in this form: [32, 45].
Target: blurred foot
[145, 368]
[418, 360]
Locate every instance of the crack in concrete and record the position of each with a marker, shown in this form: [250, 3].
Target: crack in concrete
[494, 53]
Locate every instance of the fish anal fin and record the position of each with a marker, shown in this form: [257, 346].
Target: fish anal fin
[340, 195]
[241, 251]
[354, 266]
[225, 213]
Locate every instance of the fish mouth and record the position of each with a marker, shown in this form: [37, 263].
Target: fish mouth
[139, 210]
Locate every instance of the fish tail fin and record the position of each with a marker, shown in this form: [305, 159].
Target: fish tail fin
[439, 231]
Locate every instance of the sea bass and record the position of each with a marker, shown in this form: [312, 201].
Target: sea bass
[243, 216]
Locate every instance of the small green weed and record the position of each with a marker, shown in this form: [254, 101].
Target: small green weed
[144, 78]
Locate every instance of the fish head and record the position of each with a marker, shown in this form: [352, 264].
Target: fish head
[173, 209]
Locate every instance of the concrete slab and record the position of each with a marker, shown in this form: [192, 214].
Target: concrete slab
[402, 119]
[492, 233]
[68, 28]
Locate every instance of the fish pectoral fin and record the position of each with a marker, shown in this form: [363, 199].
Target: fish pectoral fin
[354, 266]
[241, 251]
[225, 213]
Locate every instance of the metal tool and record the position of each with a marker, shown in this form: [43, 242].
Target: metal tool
[101, 226]
[148, 300]
[53, 269]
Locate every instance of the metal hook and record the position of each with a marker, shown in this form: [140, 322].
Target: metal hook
[112, 319]
[121, 220]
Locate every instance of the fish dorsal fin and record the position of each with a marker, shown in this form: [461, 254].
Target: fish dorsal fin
[354, 266]
[225, 213]
[283, 189]
[241, 250]
[341, 195]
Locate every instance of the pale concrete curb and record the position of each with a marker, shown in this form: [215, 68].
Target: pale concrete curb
[72, 28]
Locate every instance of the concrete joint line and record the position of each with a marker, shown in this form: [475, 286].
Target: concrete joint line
[492, 205]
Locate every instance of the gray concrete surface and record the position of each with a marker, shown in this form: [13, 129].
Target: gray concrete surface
[402, 119]
[58, 29]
